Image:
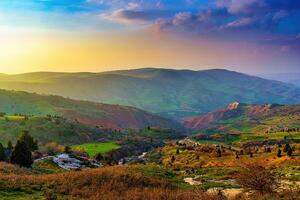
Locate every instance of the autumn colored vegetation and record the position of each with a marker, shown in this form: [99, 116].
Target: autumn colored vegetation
[108, 183]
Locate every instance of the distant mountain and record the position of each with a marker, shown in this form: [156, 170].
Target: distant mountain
[293, 78]
[81, 112]
[239, 118]
[171, 93]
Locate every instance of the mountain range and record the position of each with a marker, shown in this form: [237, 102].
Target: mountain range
[170, 93]
[293, 78]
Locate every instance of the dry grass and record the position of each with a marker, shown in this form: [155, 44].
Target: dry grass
[111, 183]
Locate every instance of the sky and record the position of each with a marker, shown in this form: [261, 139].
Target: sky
[252, 36]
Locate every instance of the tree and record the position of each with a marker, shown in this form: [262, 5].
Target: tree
[290, 152]
[21, 155]
[9, 145]
[2, 153]
[173, 159]
[279, 153]
[67, 149]
[219, 152]
[286, 147]
[31, 143]
[99, 157]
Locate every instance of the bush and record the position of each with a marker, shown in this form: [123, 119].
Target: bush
[257, 177]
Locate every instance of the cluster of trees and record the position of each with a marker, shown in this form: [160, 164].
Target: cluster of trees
[21, 153]
[287, 149]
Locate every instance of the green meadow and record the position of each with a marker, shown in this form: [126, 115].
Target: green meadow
[94, 148]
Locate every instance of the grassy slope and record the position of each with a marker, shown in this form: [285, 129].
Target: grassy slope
[109, 116]
[245, 127]
[94, 148]
[132, 182]
[169, 92]
[46, 130]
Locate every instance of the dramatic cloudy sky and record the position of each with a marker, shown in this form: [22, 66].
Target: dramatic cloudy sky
[255, 36]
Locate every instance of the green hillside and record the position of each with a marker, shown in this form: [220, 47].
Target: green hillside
[248, 123]
[45, 129]
[172, 93]
[82, 112]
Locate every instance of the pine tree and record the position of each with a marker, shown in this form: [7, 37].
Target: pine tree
[10, 146]
[173, 159]
[286, 147]
[279, 153]
[2, 153]
[219, 152]
[31, 143]
[290, 152]
[21, 155]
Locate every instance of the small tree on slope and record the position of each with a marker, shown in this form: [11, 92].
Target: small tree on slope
[31, 143]
[2, 153]
[21, 155]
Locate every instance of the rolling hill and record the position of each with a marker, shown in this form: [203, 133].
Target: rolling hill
[82, 112]
[246, 122]
[171, 93]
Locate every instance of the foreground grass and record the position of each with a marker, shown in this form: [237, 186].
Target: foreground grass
[94, 148]
[109, 183]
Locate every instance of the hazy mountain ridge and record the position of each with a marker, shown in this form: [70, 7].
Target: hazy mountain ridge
[292, 78]
[172, 93]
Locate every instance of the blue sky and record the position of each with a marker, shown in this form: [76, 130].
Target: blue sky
[270, 27]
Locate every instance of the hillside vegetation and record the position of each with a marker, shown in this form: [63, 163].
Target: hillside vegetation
[83, 112]
[248, 123]
[172, 93]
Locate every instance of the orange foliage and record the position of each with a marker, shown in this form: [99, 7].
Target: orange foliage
[109, 183]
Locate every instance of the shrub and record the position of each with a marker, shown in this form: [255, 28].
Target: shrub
[257, 177]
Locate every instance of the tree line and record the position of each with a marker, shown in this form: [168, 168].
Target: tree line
[20, 153]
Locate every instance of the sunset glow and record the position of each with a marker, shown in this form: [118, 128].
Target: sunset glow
[92, 35]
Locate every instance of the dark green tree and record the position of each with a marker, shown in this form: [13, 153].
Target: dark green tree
[10, 146]
[173, 159]
[279, 153]
[67, 149]
[219, 152]
[99, 157]
[286, 147]
[31, 143]
[21, 155]
[2, 153]
[290, 152]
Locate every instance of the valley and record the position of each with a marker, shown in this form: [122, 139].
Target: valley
[170, 93]
[204, 156]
